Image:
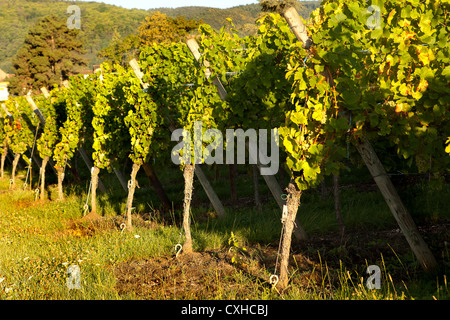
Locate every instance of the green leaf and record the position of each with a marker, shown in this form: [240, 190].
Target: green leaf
[446, 71]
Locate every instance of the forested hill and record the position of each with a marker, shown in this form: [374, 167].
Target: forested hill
[241, 15]
[100, 21]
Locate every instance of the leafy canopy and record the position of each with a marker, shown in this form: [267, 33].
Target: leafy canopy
[50, 54]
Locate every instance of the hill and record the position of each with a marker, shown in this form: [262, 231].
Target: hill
[99, 21]
[243, 16]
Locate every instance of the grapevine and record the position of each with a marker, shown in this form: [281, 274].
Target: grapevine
[111, 137]
[47, 141]
[19, 131]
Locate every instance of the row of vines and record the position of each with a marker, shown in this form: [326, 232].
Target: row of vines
[324, 87]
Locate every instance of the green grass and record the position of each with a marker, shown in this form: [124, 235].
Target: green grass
[37, 243]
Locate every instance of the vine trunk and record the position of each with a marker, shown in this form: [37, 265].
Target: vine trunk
[131, 189]
[42, 172]
[188, 189]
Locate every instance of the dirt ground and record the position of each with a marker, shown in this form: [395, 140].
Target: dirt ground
[188, 276]
[215, 274]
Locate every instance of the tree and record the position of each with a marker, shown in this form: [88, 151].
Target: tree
[121, 50]
[50, 54]
[279, 6]
[159, 28]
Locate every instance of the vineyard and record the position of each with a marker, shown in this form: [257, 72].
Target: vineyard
[272, 166]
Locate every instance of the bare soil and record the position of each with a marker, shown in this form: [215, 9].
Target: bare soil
[197, 275]
[216, 275]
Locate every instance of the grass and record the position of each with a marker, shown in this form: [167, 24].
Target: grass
[38, 242]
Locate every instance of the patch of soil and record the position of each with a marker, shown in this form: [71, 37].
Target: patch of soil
[208, 275]
[28, 203]
[215, 274]
[81, 228]
[93, 223]
[359, 248]
[197, 275]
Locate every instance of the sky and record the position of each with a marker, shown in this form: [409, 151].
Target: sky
[152, 4]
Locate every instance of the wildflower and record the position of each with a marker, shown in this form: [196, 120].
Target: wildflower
[137, 236]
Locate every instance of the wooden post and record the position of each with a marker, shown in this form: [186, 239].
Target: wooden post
[213, 198]
[212, 195]
[398, 210]
[35, 109]
[139, 74]
[255, 176]
[376, 168]
[157, 185]
[193, 46]
[232, 173]
[45, 92]
[121, 178]
[337, 204]
[8, 114]
[297, 26]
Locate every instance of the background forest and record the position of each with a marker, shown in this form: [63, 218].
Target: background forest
[103, 23]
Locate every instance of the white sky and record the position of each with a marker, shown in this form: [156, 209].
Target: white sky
[152, 4]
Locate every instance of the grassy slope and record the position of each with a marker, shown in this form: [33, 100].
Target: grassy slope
[38, 241]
